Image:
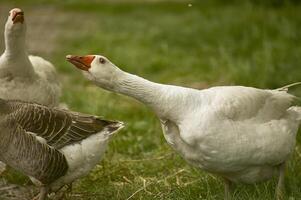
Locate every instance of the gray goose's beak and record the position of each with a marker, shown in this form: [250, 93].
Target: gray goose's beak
[81, 62]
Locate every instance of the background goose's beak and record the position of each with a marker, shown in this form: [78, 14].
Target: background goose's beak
[81, 62]
[17, 16]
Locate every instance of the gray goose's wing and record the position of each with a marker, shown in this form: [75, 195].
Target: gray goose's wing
[24, 152]
[59, 127]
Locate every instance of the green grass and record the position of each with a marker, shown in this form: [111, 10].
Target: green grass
[210, 43]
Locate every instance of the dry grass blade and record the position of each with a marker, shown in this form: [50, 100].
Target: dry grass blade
[150, 159]
[156, 182]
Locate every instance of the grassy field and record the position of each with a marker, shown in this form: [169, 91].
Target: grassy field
[202, 45]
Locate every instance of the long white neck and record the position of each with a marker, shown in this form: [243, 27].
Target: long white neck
[166, 100]
[15, 59]
[15, 45]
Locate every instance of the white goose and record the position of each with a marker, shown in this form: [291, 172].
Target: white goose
[23, 77]
[243, 134]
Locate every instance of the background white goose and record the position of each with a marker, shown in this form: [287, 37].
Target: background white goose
[243, 134]
[52, 146]
[23, 77]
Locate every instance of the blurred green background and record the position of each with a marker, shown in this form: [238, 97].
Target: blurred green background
[193, 43]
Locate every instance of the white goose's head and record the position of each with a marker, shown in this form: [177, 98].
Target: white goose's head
[96, 68]
[15, 26]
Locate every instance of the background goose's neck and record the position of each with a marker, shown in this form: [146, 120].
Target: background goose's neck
[14, 60]
[15, 45]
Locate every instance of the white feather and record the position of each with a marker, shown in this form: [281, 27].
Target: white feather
[82, 157]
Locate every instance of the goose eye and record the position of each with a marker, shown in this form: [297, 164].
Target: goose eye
[102, 60]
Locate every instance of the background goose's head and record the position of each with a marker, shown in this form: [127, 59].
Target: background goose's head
[96, 68]
[15, 25]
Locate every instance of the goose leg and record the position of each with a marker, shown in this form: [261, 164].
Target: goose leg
[64, 194]
[280, 186]
[69, 187]
[43, 193]
[69, 190]
[228, 187]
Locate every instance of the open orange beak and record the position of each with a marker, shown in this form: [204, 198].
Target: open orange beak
[81, 62]
[17, 16]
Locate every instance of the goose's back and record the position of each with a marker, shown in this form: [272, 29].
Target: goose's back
[42, 88]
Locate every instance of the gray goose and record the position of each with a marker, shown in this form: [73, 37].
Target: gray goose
[22, 75]
[51, 146]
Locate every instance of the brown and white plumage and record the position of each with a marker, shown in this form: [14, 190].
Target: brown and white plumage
[22, 76]
[52, 146]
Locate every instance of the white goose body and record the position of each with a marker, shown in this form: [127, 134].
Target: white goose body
[23, 77]
[42, 88]
[242, 133]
